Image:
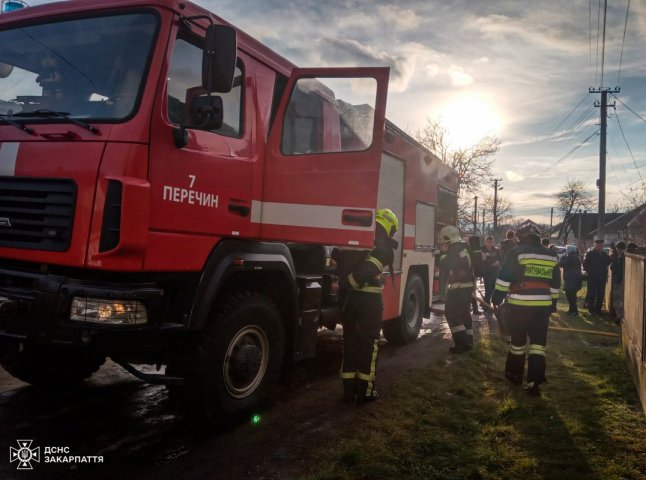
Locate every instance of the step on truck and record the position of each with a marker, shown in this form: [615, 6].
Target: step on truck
[170, 194]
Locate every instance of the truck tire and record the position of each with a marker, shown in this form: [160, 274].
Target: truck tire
[236, 362]
[405, 328]
[48, 366]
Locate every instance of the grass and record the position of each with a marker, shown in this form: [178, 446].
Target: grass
[460, 419]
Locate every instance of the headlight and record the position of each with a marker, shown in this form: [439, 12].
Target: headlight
[108, 312]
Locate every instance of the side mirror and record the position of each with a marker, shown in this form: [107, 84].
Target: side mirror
[219, 58]
[207, 112]
[5, 70]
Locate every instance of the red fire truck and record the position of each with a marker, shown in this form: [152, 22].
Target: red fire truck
[171, 189]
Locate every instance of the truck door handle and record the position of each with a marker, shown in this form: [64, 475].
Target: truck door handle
[242, 210]
[362, 218]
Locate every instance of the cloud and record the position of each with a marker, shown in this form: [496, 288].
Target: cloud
[513, 176]
[400, 18]
[352, 53]
[459, 78]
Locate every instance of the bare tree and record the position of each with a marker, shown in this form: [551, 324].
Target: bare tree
[504, 209]
[573, 196]
[474, 165]
[634, 197]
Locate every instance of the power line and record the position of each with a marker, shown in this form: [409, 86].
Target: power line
[603, 43]
[629, 149]
[590, 36]
[584, 117]
[571, 112]
[635, 113]
[576, 148]
[623, 42]
[596, 71]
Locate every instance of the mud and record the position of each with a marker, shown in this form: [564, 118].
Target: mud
[133, 426]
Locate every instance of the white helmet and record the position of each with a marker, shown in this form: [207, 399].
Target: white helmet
[450, 234]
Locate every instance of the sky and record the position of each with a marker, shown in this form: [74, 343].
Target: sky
[516, 69]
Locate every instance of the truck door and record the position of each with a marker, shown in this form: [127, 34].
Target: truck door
[201, 189]
[323, 155]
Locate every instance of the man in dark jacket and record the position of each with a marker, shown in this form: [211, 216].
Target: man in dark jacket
[596, 263]
[572, 277]
[455, 263]
[507, 244]
[532, 279]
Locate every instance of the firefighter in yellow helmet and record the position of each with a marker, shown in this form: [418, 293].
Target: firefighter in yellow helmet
[363, 310]
[531, 278]
[456, 266]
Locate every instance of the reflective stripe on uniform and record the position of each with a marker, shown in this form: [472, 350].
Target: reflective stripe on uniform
[376, 263]
[353, 282]
[348, 375]
[531, 303]
[515, 350]
[555, 293]
[365, 288]
[502, 286]
[523, 257]
[535, 349]
[458, 328]
[519, 296]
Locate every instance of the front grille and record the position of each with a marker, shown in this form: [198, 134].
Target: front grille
[36, 213]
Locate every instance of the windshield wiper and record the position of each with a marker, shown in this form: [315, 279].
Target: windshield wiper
[45, 113]
[24, 128]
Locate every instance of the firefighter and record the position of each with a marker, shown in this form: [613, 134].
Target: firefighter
[362, 313]
[531, 278]
[455, 263]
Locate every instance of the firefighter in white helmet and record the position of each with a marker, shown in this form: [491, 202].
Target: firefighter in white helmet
[455, 264]
[531, 279]
[363, 311]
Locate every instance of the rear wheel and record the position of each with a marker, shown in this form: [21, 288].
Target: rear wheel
[236, 363]
[405, 329]
[47, 365]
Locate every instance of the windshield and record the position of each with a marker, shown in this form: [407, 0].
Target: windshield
[88, 67]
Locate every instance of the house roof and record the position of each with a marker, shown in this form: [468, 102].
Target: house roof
[622, 221]
[589, 222]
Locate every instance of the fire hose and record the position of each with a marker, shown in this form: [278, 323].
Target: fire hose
[551, 327]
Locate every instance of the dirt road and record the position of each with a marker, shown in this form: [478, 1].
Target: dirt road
[134, 427]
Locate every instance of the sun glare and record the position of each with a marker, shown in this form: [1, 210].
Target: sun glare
[468, 118]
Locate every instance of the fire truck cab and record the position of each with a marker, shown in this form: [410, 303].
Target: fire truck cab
[170, 192]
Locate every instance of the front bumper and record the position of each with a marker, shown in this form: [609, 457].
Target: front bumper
[35, 307]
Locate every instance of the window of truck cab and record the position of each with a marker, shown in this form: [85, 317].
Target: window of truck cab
[88, 67]
[326, 115]
[185, 83]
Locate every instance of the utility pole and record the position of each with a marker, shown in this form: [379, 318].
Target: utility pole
[551, 218]
[483, 221]
[475, 215]
[603, 104]
[495, 202]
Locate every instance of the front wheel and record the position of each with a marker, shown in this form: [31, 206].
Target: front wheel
[237, 361]
[405, 328]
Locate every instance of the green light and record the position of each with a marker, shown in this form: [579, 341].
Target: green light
[255, 420]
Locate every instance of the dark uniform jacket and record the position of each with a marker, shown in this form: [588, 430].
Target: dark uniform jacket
[529, 275]
[596, 263]
[506, 247]
[456, 265]
[366, 276]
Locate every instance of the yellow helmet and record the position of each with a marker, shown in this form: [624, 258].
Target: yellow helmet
[387, 219]
[449, 234]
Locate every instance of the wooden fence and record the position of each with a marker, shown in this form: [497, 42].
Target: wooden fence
[633, 326]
